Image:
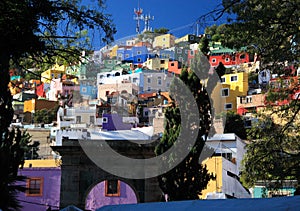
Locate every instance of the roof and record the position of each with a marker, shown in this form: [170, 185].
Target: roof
[120, 135]
[277, 203]
[40, 163]
[223, 137]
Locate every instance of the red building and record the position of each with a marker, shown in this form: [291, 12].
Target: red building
[228, 58]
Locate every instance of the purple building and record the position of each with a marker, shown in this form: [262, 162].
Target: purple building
[110, 192]
[43, 185]
[114, 122]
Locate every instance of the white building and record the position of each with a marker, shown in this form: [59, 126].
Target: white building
[225, 163]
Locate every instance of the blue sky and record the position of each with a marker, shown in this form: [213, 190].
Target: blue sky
[176, 15]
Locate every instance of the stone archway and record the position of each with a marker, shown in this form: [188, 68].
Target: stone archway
[79, 174]
[98, 196]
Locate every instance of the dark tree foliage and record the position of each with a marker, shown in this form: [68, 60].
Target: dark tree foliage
[161, 31]
[221, 69]
[13, 146]
[235, 124]
[273, 152]
[33, 33]
[269, 28]
[189, 177]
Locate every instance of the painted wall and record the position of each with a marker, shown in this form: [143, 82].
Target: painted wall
[164, 41]
[51, 189]
[96, 197]
[114, 122]
[238, 87]
[262, 192]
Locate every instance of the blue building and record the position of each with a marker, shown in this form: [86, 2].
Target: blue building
[167, 54]
[136, 55]
[88, 89]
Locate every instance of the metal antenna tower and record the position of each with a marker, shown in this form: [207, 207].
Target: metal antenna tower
[147, 19]
[138, 16]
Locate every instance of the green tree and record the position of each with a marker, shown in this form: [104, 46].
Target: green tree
[187, 179]
[235, 124]
[273, 152]
[269, 28]
[13, 146]
[34, 32]
[161, 31]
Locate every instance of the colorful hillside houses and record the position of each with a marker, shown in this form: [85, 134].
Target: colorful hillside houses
[228, 57]
[135, 55]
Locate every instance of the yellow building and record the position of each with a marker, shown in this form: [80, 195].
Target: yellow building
[113, 51]
[214, 165]
[55, 72]
[191, 38]
[156, 64]
[164, 41]
[225, 164]
[232, 86]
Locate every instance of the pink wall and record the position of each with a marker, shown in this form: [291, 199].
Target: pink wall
[96, 197]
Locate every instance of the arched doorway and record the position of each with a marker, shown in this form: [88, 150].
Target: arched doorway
[110, 192]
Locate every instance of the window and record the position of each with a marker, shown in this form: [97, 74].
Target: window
[139, 52]
[227, 59]
[192, 53]
[179, 50]
[112, 187]
[172, 64]
[228, 106]
[134, 80]
[78, 119]
[162, 61]
[225, 92]
[159, 81]
[92, 120]
[214, 60]
[233, 78]
[109, 62]
[243, 56]
[126, 55]
[34, 186]
[149, 80]
[83, 90]
[223, 79]
[104, 120]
